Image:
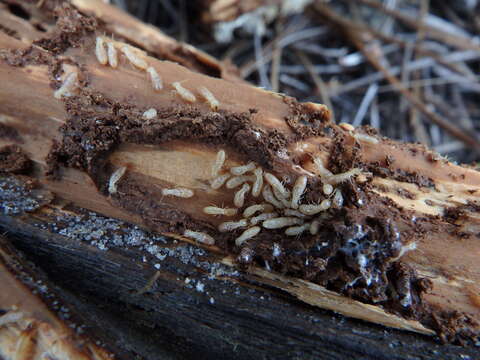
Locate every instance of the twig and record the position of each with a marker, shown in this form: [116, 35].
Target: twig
[446, 125]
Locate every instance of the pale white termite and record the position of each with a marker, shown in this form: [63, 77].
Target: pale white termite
[339, 178]
[284, 200]
[312, 209]
[314, 225]
[263, 216]
[322, 170]
[276, 184]
[100, 51]
[150, 114]
[297, 230]
[134, 59]
[239, 198]
[258, 184]
[185, 94]
[366, 138]
[219, 161]
[292, 212]
[327, 189]
[298, 190]
[178, 192]
[208, 96]
[218, 182]
[214, 210]
[155, 79]
[114, 178]
[199, 236]
[239, 180]
[251, 210]
[247, 234]
[269, 197]
[277, 223]
[346, 126]
[337, 199]
[112, 55]
[68, 87]
[240, 170]
[232, 225]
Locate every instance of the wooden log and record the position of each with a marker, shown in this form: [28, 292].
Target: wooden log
[402, 235]
[85, 253]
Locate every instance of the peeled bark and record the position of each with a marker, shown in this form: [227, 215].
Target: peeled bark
[403, 239]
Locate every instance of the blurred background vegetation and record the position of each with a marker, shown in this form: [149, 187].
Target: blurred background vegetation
[407, 68]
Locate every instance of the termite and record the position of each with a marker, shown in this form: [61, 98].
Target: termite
[208, 96]
[339, 178]
[292, 212]
[269, 197]
[366, 138]
[298, 190]
[219, 161]
[251, 210]
[297, 230]
[247, 234]
[112, 55]
[68, 87]
[178, 192]
[213, 210]
[327, 189]
[284, 200]
[240, 170]
[315, 208]
[239, 180]
[185, 94]
[114, 178]
[346, 126]
[199, 236]
[314, 225]
[264, 216]
[280, 222]
[232, 225]
[134, 59]
[321, 169]
[276, 184]
[150, 114]
[258, 184]
[100, 51]
[337, 199]
[155, 79]
[218, 182]
[239, 198]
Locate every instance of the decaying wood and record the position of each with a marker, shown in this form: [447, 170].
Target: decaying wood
[177, 147]
[235, 315]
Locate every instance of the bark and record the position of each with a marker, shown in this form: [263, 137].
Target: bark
[399, 197]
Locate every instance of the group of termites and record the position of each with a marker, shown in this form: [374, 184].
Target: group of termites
[279, 208]
[107, 53]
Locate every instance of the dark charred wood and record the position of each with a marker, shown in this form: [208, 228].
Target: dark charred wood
[242, 321]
